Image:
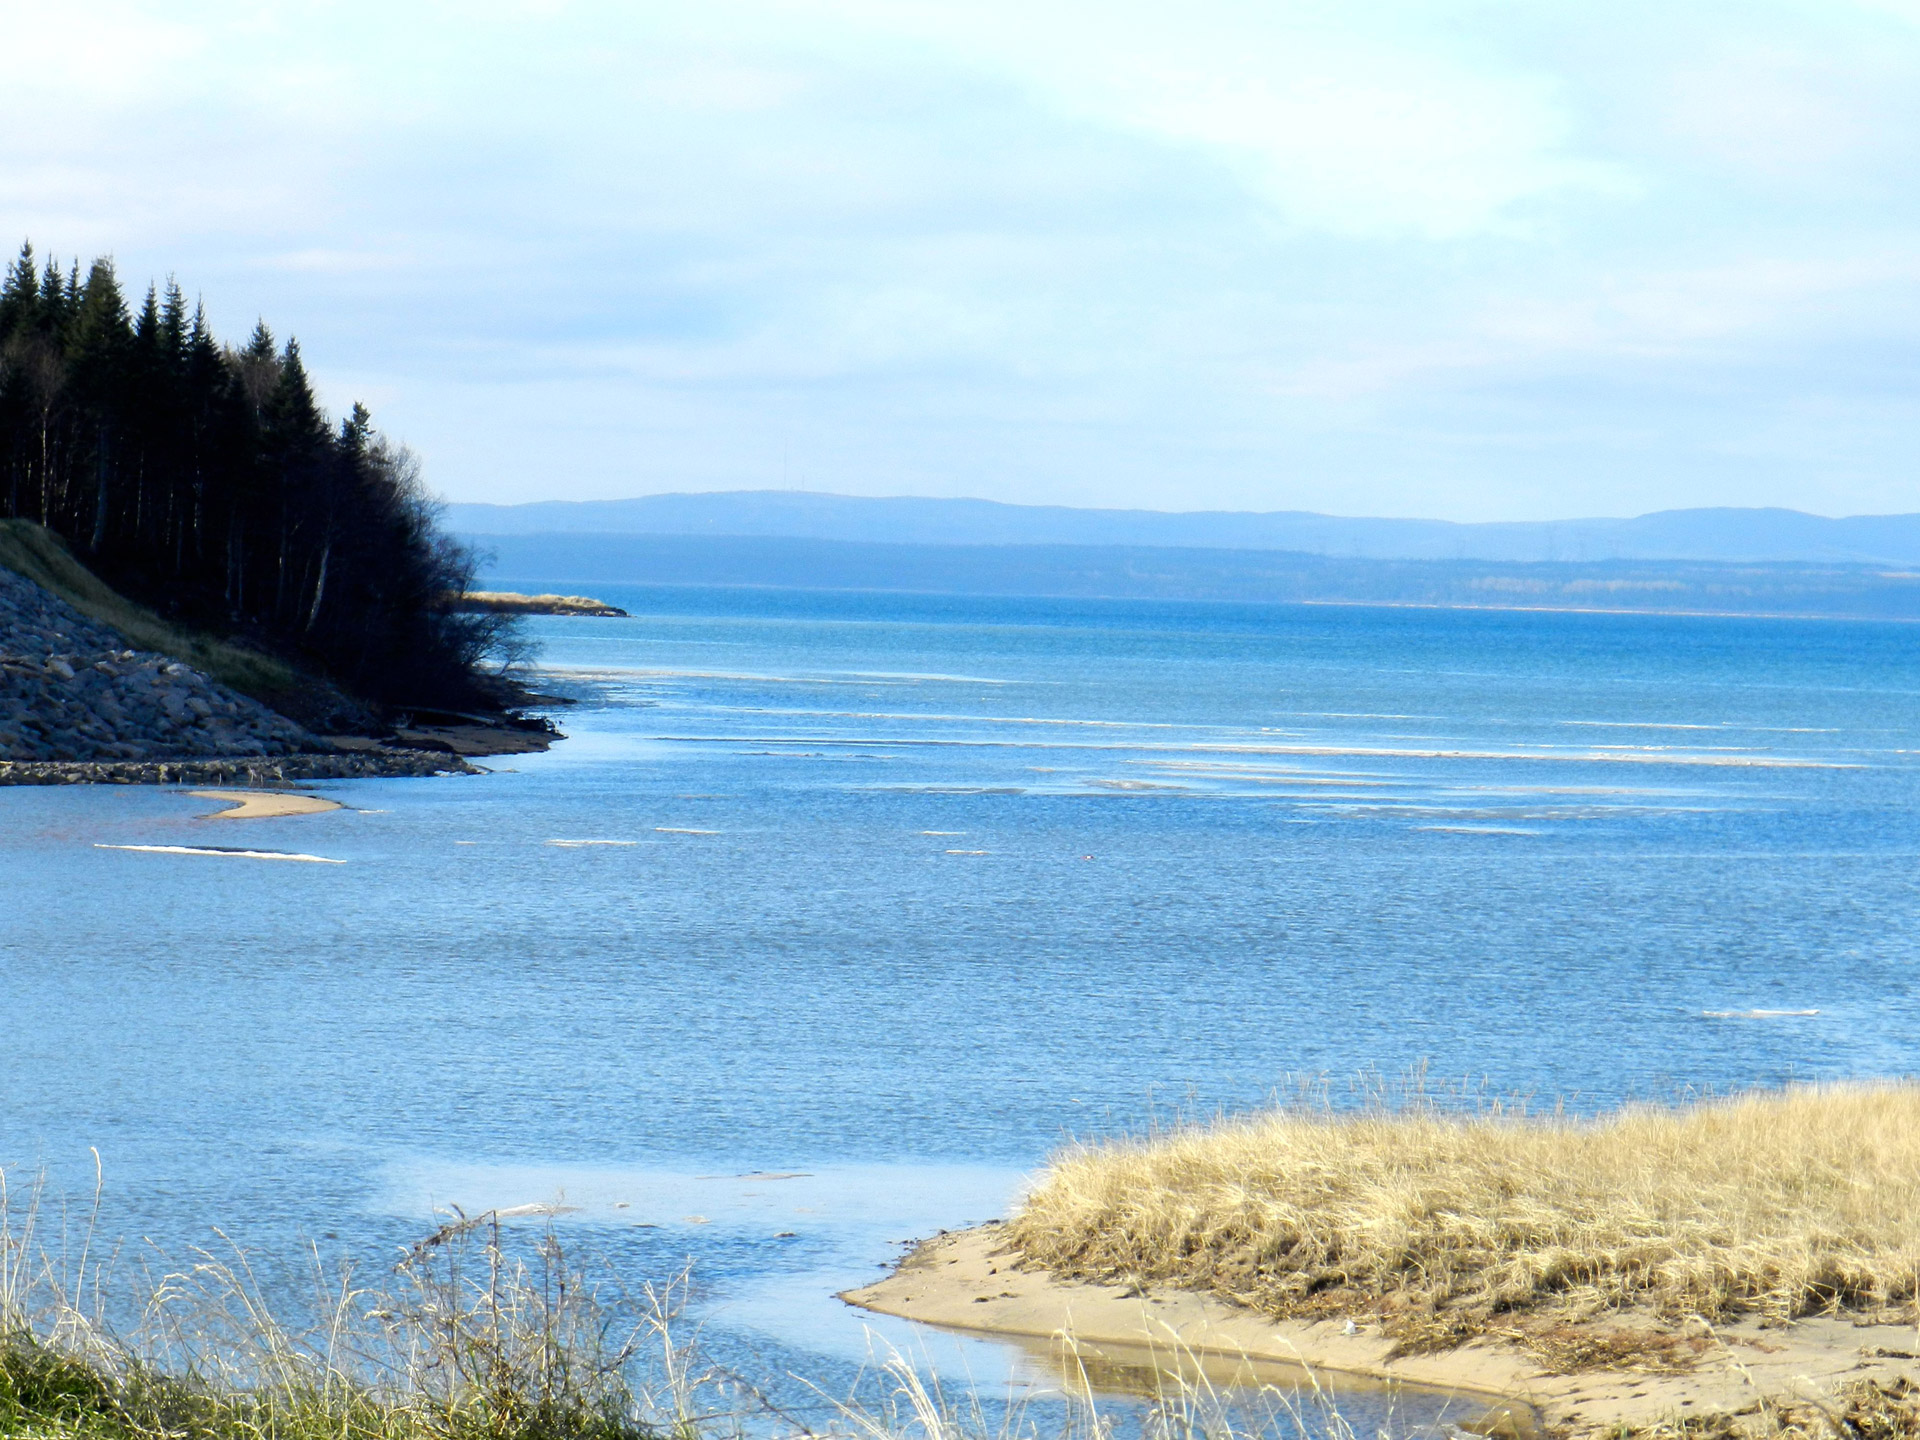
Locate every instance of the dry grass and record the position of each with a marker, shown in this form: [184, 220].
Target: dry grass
[463, 1341]
[1868, 1410]
[1778, 1203]
[471, 1339]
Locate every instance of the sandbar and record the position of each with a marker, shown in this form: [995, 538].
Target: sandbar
[971, 1280]
[264, 804]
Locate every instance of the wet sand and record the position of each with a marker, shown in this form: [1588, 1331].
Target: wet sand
[264, 804]
[970, 1281]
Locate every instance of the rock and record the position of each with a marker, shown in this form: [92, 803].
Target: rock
[78, 707]
[71, 691]
[248, 772]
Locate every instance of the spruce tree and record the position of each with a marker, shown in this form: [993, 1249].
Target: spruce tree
[210, 484]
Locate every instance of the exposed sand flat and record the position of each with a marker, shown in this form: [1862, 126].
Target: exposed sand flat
[970, 1281]
[264, 804]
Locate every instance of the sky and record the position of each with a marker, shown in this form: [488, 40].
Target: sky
[1464, 260]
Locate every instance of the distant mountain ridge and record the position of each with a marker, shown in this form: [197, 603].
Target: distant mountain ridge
[1723, 534]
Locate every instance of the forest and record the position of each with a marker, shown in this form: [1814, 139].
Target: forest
[206, 482]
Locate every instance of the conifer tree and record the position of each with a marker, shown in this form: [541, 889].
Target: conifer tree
[210, 484]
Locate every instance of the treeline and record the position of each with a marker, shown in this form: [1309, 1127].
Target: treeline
[205, 481]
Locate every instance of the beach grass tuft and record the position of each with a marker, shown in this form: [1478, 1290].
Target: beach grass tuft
[465, 1340]
[1445, 1223]
[1781, 1202]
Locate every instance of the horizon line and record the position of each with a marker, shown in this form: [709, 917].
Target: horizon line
[1147, 510]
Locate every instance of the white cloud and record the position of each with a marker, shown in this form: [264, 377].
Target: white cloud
[1358, 121]
[1414, 254]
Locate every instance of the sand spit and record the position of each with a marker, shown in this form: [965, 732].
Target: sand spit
[264, 804]
[508, 602]
[971, 1280]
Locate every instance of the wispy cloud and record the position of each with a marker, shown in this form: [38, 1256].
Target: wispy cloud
[1469, 258]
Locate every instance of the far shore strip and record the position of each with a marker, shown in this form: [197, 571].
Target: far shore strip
[970, 1280]
[264, 804]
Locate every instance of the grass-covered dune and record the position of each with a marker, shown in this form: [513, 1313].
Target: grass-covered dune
[1443, 1225]
[1783, 1202]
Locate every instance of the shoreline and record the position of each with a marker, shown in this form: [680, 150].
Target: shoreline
[1846, 617]
[971, 1280]
[253, 772]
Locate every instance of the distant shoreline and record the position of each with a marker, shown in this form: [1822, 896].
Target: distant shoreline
[575, 562]
[1846, 618]
[1602, 610]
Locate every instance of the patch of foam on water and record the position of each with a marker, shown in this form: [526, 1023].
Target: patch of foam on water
[1632, 755]
[803, 677]
[223, 850]
[1717, 758]
[941, 789]
[1479, 830]
[924, 716]
[1724, 725]
[932, 675]
[1758, 1014]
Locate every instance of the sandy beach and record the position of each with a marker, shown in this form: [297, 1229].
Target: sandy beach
[970, 1280]
[264, 804]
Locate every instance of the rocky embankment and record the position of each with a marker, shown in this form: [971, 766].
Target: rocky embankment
[77, 705]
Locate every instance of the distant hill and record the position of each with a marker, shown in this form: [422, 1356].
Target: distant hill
[1744, 535]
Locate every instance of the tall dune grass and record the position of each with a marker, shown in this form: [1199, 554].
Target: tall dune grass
[1784, 1202]
[463, 1341]
[470, 1337]
[1777, 1203]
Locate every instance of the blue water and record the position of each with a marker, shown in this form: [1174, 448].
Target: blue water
[904, 892]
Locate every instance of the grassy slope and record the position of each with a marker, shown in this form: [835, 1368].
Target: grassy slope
[1779, 1203]
[42, 556]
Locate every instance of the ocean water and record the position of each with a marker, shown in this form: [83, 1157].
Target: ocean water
[838, 913]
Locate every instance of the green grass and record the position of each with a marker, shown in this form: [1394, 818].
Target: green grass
[43, 557]
[463, 1342]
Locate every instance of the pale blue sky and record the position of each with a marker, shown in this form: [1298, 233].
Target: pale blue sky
[1469, 260]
